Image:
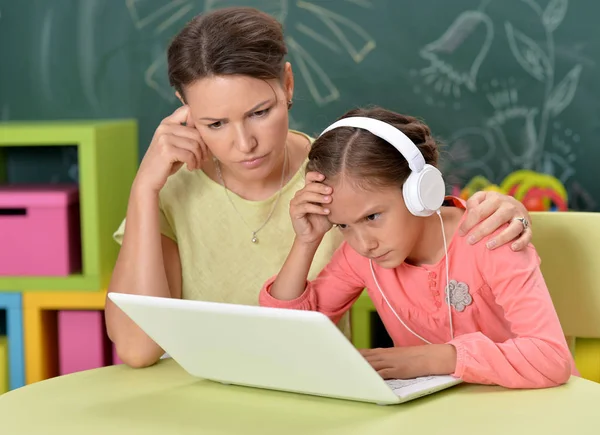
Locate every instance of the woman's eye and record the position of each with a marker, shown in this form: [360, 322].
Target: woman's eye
[373, 216]
[260, 113]
[215, 125]
[341, 226]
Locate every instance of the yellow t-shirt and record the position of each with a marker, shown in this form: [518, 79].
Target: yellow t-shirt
[218, 259]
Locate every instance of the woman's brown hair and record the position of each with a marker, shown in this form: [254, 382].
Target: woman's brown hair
[367, 159]
[227, 41]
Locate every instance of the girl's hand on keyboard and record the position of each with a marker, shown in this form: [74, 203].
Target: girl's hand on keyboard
[413, 361]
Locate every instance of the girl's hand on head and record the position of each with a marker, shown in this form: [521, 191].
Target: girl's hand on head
[412, 361]
[176, 142]
[308, 209]
[487, 211]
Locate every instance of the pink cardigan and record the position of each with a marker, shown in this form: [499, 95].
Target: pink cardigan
[506, 331]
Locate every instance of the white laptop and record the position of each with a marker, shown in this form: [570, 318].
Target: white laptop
[271, 348]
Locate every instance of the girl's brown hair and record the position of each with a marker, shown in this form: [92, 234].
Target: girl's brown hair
[367, 159]
[227, 41]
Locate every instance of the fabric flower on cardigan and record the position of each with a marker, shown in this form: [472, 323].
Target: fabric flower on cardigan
[460, 297]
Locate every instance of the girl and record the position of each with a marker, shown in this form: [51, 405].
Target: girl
[451, 308]
[206, 218]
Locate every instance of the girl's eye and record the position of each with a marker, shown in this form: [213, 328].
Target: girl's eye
[260, 113]
[341, 226]
[373, 216]
[215, 125]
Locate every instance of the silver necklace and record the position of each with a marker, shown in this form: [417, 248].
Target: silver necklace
[255, 232]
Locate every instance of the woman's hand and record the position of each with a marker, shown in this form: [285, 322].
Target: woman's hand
[413, 361]
[176, 142]
[488, 211]
[308, 209]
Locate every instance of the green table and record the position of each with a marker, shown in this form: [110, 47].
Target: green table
[165, 400]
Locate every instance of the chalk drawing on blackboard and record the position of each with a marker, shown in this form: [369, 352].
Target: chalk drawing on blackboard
[344, 36]
[318, 37]
[539, 63]
[471, 149]
[561, 167]
[456, 56]
[560, 144]
[318, 82]
[528, 53]
[554, 13]
[515, 129]
[341, 27]
[522, 131]
[153, 74]
[500, 94]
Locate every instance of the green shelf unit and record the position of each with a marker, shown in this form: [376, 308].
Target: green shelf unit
[107, 152]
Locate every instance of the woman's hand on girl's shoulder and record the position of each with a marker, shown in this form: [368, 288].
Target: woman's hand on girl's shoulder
[308, 209]
[176, 142]
[488, 211]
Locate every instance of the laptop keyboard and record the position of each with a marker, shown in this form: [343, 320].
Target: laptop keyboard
[397, 384]
[406, 387]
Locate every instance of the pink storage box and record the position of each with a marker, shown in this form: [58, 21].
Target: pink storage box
[39, 230]
[82, 341]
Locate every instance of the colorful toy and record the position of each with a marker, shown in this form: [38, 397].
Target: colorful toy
[537, 191]
[476, 184]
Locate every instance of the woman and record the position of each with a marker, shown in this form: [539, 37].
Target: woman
[207, 215]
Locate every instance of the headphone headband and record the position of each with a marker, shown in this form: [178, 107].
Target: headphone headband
[387, 132]
[424, 188]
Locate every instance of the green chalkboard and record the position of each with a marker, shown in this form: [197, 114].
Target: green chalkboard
[506, 84]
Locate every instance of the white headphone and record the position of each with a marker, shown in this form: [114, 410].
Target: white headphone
[424, 190]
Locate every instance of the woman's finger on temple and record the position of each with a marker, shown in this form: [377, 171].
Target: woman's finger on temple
[189, 145]
[184, 156]
[179, 116]
[191, 134]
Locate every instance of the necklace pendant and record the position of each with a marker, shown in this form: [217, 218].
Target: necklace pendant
[254, 239]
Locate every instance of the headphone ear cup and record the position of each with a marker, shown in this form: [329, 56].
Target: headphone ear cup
[424, 191]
